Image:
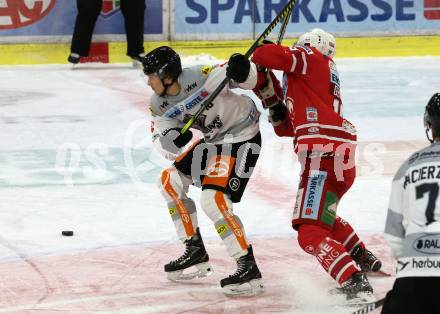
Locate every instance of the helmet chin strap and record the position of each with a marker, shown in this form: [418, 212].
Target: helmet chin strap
[166, 86]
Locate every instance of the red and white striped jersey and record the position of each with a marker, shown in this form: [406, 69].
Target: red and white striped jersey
[313, 99]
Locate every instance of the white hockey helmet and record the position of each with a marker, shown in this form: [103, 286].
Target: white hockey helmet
[321, 40]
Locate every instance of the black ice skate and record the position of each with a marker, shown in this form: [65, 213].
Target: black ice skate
[194, 255]
[73, 58]
[366, 260]
[137, 60]
[357, 289]
[246, 280]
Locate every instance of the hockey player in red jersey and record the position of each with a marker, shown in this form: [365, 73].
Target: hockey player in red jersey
[310, 111]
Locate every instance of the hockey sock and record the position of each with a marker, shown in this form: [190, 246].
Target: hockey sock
[330, 253]
[218, 207]
[344, 233]
[181, 208]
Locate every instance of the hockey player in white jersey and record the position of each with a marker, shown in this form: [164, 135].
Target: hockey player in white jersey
[413, 225]
[221, 162]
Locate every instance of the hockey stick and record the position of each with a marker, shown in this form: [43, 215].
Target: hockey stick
[370, 307]
[282, 15]
[283, 27]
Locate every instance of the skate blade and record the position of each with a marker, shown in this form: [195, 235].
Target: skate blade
[379, 273]
[203, 270]
[250, 288]
[361, 298]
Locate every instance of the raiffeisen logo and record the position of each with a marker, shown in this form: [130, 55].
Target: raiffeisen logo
[432, 9]
[18, 13]
[110, 7]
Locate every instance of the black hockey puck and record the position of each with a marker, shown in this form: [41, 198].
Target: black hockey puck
[67, 233]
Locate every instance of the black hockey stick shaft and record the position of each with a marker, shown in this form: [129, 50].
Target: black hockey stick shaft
[284, 26]
[370, 307]
[281, 15]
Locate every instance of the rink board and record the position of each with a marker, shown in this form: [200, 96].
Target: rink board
[116, 51]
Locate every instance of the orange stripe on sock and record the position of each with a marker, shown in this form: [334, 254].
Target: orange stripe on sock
[232, 222]
[183, 211]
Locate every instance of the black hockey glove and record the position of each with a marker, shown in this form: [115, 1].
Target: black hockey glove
[183, 139]
[171, 140]
[238, 67]
[277, 114]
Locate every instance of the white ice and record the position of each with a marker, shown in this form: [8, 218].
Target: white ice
[76, 155]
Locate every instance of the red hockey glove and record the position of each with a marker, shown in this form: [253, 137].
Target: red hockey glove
[268, 88]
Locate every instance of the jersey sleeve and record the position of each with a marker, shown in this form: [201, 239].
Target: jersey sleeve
[164, 131]
[218, 74]
[276, 57]
[394, 226]
[285, 129]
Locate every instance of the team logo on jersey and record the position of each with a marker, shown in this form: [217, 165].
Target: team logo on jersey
[313, 195]
[313, 130]
[337, 91]
[219, 169]
[234, 184]
[217, 123]
[19, 13]
[350, 128]
[189, 103]
[298, 202]
[190, 87]
[334, 75]
[402, 265]
[311, 114]
[428, 244]
[205, 70]
[110, 8]
[164, 104]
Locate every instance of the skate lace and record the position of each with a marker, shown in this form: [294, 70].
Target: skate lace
[184, 255]
[241, 267]
[366, 260]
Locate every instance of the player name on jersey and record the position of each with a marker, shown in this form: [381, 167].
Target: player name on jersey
[422, 173]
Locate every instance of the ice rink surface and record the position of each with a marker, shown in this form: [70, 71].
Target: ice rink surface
[76, 154]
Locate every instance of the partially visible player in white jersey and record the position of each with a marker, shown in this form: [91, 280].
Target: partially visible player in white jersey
[221, 162]
[413, 225]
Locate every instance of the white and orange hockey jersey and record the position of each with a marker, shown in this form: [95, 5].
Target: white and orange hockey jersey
[231, 117]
